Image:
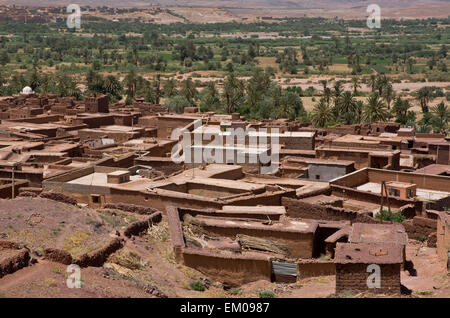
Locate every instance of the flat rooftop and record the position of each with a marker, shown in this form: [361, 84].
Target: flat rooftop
[269, 210]
[421, 193]
[375, 233]
[398, 184]
[361, 253]
[435, 169]
[99, 179]
[300, 226]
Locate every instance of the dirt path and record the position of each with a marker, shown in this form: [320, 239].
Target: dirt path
[22, 275]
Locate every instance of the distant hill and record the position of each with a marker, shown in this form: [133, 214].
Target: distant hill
[306, 4]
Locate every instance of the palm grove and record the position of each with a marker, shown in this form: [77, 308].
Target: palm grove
[245, 87]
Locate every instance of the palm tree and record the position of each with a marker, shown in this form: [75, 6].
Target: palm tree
[441, 111]
[381, 83]
[324, 83]
[321, 113]
[131, 83]
[346, 107]
[372, 82]
[410, 63]
[113, 86]
[233, 92]
[441, 117]
[337, 94]
[424, 95]
[327, 94]
[355, 85]
[375, 109]
[170, 88]
[400, 110]
[189, 91]
[359, 106]
[388, 94]
[346, 103]
[290, 105]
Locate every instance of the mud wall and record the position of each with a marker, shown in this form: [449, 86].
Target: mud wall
[375, 198]
[176, 232]
[139, 209]
[299, 209]
[6, 189]
[353, 277]
[353, 179]
[13, 263]
[140, 226]
[420, 227]
[439, 183]
[98, 257]
[443, 239]
[235, 269]
[315, 268]
[299, 245]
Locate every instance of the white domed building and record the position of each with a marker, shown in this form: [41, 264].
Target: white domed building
[27, 90]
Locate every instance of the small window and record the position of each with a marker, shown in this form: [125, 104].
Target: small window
[95, 198]
[394, 192]
[317, 176]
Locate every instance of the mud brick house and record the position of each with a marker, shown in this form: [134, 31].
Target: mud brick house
[211, 186]
[401, 189]
[296, 236]
[315, 169]
[363, 158]
[353, 267]
[165, 124]
[298, 140]
[235, 245]
[252, 159]
[97, 104]
[149, 109]
[117, 133]
[371, 152]
[376, 233]
[364, 129]
[432, 192]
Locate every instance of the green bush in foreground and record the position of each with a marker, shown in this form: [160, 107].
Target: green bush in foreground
[266, 294]
[198, 286]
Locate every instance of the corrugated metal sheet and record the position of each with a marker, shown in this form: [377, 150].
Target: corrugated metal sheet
[282, 268]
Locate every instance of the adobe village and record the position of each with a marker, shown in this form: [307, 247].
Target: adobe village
[95, 184]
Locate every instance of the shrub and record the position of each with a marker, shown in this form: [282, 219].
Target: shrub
[235, 291]
[267, 294]
[422, 238]
[177, 104]
[397, 217]
[198, 286]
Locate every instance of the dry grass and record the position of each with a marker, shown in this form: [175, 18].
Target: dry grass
[50, 282]
[126, 258]
[159, 232]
